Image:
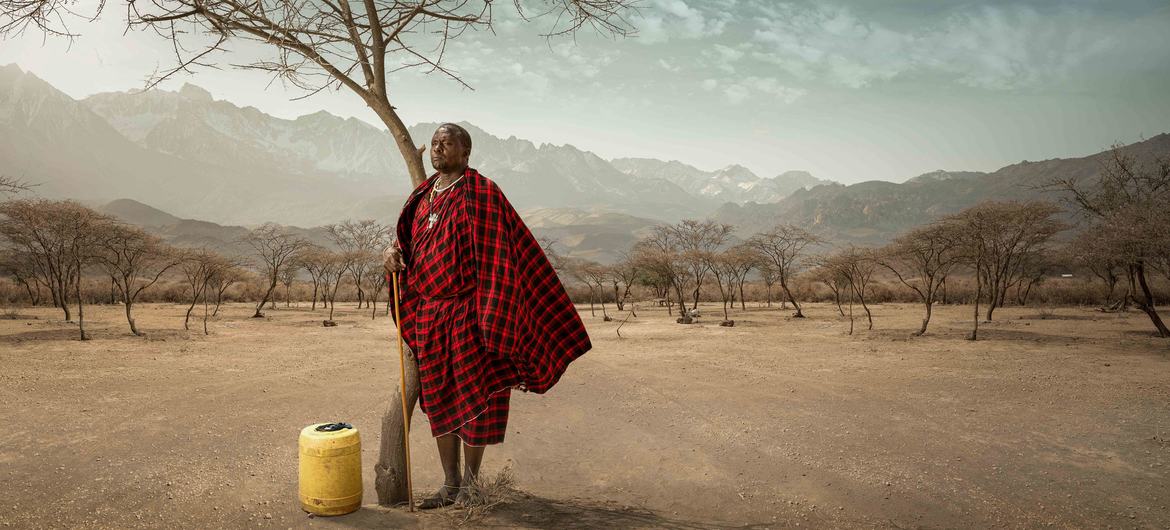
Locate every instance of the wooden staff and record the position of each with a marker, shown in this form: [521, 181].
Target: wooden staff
[405, 416]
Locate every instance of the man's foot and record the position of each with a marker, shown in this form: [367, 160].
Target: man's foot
[445, 497]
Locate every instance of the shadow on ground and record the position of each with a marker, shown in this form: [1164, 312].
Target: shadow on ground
[526, 511]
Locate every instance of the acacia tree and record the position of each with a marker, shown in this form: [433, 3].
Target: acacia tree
[725, 267]
[363, 240]
[275, 248]
[20, 265]
[698, 243]
[221, 280]
[314, 259]
[922, 259]
[1128, 202]
[740, 260]
[199, 267]
[783, 246]
[850, 268]
[661, 255]
[1090, 250]
[334, 269]
[624, 274]
[288, 276]
[134, 260]
[1008, 236]
[769, 276]
[59, 238]
[328, 45]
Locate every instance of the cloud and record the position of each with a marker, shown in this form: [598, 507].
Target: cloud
[739, 90]
[663, 20]
[993, 47]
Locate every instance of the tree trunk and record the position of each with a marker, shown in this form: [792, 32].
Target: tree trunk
[390, 470]
[80, 311]
[926, 319]
[187, 317]
[788, 293]
[264, 300]
[978, 294]
[130, 319]
[742, 300]
[314, 308]
[1146, 304]
[617, 297]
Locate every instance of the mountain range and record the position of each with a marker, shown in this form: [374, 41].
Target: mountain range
[198, 169]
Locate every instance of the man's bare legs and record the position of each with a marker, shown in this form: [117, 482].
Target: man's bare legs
[449, 457]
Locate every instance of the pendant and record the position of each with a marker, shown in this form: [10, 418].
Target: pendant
[432, 219]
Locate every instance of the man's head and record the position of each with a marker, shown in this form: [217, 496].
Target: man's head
[450, 148]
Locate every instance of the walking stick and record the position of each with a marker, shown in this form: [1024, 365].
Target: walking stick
[405, 416]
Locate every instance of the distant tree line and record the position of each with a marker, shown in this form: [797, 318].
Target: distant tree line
[1006, 248]
[996, 252]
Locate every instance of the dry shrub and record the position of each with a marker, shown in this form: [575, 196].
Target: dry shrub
[484, 494]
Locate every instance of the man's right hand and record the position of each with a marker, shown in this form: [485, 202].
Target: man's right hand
[392, 258]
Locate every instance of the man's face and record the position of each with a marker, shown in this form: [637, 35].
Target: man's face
[447, 151]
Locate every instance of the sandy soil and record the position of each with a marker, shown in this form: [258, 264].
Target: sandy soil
[1054, 419]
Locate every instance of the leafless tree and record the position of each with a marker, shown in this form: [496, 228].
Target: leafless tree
[314, 259]
[1129, 202]
[1009, 236]
[922, 259]
[624, 274]
[698, 244]
[221, 280]
[661, 255]
[134, 260]
[11, 186]
[741, 259]
[275, 248]
[376, 279]
[364, 241]
[20, 265]
[590, 273]
[200, 267]
[850, 268]
[59, 237]
[783, 246]
[332, 273]
[1091, 251]
[830, 277]
[769, 276]
[288, 276]
[724, 269]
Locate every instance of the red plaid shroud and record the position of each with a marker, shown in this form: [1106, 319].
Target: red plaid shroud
[521, 309]
[464, 388]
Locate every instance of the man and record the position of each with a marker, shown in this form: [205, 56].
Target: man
[481, 307]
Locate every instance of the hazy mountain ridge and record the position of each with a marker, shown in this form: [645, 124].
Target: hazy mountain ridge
[733, 183]
[876, 211]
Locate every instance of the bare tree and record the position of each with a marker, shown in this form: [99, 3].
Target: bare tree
[314, 259]
[332, 273]
[1091, 251]
[698, 243]
[221, 280]
[724, 268]
[922, 259]
[11, 186]
[134, 260]
[852, 268]
[624, 274]
[275, 248]
[20, 265]
[288, 276]
[59, 237]
[769, 275]
[741, 259]
[783, 246]
[199, 267]
[1129, 201]
[1008, 236]
[662, 257]
[363, 240]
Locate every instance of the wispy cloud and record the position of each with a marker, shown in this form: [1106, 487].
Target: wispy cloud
[761, 89]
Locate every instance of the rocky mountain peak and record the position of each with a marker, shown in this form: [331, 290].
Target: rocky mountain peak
[194, 92]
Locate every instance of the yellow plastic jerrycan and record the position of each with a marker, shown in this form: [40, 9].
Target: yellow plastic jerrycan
[330, 469]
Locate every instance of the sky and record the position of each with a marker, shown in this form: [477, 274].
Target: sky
[847, 90]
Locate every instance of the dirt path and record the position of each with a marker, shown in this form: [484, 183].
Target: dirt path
[775, 422]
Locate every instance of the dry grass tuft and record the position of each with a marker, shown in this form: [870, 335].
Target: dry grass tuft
[483, 495]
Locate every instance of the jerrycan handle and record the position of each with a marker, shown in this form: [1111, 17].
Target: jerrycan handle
[333, 427]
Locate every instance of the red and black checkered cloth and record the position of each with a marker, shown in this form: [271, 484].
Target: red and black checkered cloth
[483, 325]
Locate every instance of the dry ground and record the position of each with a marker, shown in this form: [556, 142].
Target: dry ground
[1055, 419]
